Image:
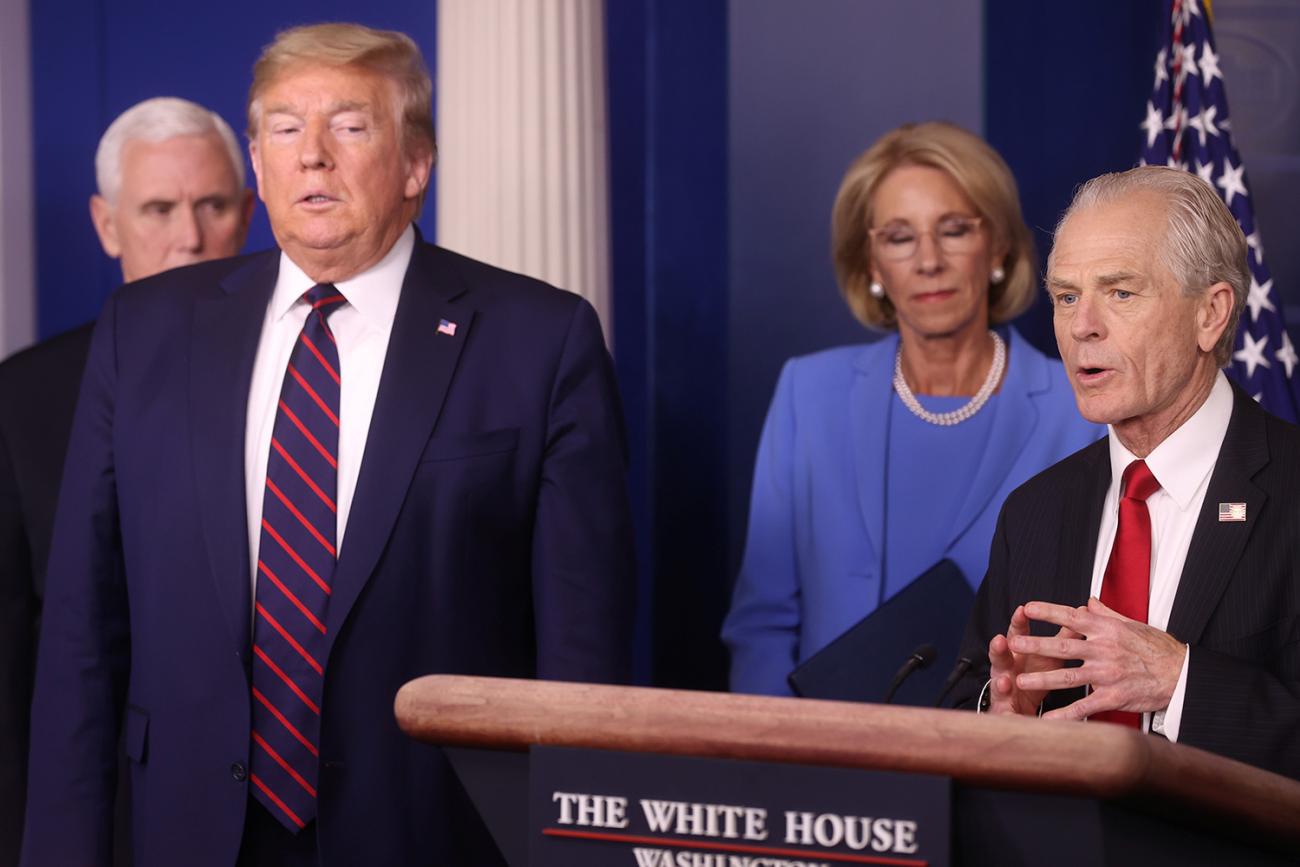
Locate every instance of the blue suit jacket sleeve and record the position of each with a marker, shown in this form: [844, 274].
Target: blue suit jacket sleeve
[582, 549]
[84, 658]
[762, 628]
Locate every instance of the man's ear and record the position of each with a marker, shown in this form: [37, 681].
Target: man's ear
[419, 167]
[1212, 315]
[255, 159]
[104, 217]
[246, 205]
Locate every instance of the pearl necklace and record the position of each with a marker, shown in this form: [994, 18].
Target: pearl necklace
[959, 415]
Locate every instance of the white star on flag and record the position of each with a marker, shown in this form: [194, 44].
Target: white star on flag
[1177, 118]
[1203, 123]
[1209, 65]
[1254, 243]
[1186, 125]
[1188, 66]
[1231, 181]
[1286, 354]
[1251, 353]
[1258, 298]
[1153, 124]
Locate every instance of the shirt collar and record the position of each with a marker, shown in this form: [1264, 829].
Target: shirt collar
[373, 292]
[1183, 461]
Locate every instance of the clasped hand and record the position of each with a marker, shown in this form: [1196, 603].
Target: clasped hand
[1129, 665]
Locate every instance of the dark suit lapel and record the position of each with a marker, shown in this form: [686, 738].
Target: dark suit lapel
[418, 369]
[1217, 545]
[1082, 523]
[1077, 551]
[227, 326]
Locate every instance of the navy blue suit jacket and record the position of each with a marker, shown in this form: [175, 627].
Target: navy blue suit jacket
[1238, 600]
[489, 534]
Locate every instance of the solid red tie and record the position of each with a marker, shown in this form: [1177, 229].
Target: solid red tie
[1126, 587]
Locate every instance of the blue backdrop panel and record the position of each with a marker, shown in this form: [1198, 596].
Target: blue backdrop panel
[1258, 46]
[92, 59]
[667, 115]
[1066, 87]
[812, 85]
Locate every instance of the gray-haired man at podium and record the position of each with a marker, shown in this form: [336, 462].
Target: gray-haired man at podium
[1153, 578]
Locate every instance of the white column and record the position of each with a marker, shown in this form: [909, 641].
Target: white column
[522, 162]
[17, 211]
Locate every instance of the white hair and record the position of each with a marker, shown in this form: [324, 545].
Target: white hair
[1202, 244]
[156, 120]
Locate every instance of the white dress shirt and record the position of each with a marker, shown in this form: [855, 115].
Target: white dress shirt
[1182, 464]
[361, 329]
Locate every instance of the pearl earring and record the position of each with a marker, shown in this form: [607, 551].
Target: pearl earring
[998, 275]
[876, 290]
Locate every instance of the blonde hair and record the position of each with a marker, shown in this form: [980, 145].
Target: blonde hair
[1202, 244]
[389, 53]
[979, 172]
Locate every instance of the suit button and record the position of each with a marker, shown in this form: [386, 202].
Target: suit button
[239, 772]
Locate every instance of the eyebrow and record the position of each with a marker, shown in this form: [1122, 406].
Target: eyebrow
[950, 215]
[333, 108]
[1114, 278]
[1111, 278]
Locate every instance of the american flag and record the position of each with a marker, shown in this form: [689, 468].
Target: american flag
[1187, 127]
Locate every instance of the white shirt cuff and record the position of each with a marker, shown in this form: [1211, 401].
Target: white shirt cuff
[1167, 721]
[985, 697]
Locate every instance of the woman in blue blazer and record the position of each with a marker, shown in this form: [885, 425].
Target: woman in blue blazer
[877, 461]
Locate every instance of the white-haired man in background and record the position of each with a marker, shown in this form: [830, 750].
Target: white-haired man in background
[171, 188]
[171, 193]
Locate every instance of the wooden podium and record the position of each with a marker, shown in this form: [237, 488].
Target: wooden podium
[1025, 791]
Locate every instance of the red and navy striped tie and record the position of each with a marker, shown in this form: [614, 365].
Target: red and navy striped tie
[295, 568]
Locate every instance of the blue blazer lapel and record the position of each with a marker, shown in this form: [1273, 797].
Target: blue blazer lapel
[1015, 415]
[1217, 546]
[226, 328]
[418, 370]
[869, 400]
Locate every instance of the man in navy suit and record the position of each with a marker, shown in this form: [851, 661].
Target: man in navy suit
[1150, 579]
[304, 477]
[171, 192]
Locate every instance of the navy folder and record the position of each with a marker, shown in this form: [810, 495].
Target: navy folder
[859, 665]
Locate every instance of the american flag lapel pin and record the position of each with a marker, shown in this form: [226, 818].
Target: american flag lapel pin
[1232, 512]
[447, 327]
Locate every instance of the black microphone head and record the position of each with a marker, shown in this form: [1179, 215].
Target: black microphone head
[924, 655]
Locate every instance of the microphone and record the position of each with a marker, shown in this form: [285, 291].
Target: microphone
[958, 672]
[920, 658]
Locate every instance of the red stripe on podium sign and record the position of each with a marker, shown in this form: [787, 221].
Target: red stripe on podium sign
[682, 843]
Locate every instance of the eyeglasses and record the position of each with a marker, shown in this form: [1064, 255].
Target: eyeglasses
[955, 235]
